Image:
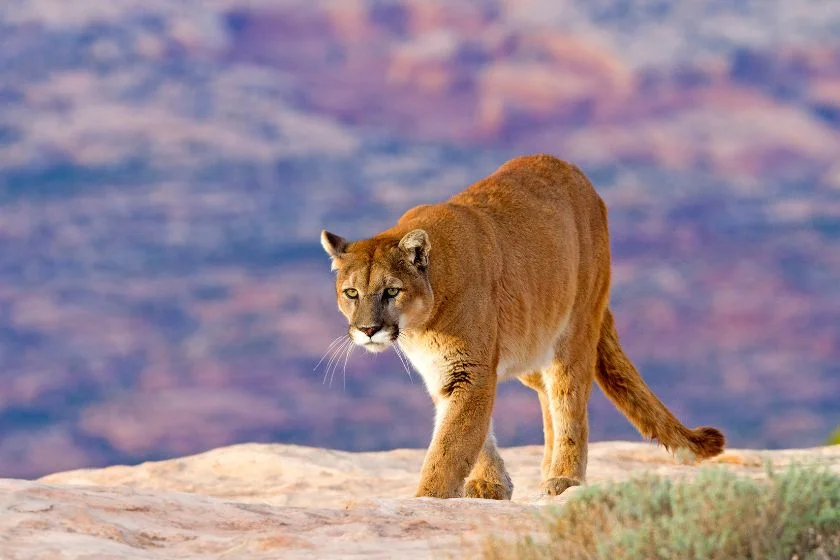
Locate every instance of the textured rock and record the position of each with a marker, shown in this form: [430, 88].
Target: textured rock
[261, 501]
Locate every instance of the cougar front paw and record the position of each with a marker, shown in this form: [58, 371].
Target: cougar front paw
[557, 485]
[439, 489]
[487, 490]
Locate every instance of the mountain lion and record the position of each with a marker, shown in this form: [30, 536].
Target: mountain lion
[509, 278]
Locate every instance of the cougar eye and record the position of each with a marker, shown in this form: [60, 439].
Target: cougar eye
[391, 292]
[352, 293]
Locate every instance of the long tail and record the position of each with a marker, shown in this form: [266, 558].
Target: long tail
[627, 390]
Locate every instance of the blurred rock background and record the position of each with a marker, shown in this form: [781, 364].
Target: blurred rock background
[166, 166]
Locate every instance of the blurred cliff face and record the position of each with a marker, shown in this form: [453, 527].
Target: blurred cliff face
[165, 171]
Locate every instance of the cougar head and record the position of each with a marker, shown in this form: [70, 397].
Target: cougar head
[382, 285]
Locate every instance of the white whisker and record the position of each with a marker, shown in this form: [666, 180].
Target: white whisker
[335, 353]
[347, 357]
[330, 347]
[403, 360]
[344, 349]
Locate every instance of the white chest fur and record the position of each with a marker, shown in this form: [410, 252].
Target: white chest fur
[427, 362]
[432, 369]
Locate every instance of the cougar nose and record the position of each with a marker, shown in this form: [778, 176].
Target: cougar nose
[370, 331]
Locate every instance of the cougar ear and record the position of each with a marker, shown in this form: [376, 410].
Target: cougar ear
[416, 246]
[334, 245]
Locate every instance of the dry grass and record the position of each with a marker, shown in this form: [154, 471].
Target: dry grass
[795, 513]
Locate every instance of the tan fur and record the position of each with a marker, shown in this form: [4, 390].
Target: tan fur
[509, 278]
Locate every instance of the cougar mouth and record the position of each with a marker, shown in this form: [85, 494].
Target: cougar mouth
[380, 340]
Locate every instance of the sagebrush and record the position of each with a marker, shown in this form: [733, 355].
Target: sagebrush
[794, 513]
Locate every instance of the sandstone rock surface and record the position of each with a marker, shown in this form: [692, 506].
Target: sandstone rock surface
[272, 501]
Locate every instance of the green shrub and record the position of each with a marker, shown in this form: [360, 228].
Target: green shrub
[834, 438]
[793, 514]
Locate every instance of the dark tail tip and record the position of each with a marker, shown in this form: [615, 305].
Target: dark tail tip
[707, 442]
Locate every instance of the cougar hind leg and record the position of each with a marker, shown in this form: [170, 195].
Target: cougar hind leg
[489, 479]
[534, 381]
[568, 384]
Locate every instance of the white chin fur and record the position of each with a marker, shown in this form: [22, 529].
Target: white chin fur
[375, 347]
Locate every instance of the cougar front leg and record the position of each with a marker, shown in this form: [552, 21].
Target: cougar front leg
[464, 406]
